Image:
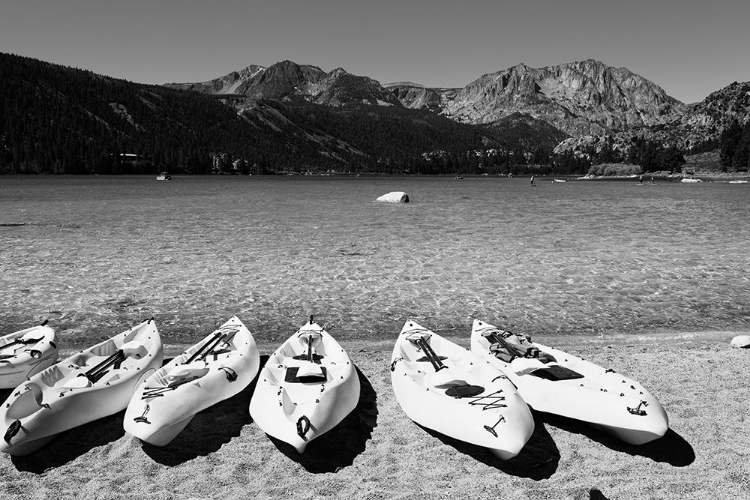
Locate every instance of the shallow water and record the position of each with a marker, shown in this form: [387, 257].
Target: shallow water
[590, 258]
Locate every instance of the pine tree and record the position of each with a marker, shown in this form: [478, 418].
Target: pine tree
[729, 139]
[741, 156]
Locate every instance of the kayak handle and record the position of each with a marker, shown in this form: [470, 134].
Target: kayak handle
[12, 431]
[142, 419]
[303, 426]
[492, 430]
[231, 374]
[638, 409]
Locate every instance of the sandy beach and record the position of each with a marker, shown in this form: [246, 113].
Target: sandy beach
[377, 452]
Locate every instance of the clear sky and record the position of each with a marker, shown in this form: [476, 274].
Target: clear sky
[688, 47]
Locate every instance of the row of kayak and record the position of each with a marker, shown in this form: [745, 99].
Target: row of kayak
[306, 387]
[482, 395]
[309, 385]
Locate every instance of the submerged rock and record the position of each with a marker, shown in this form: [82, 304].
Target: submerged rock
[741, 341]
[394, 197]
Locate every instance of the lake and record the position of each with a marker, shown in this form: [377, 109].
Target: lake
[97, 254]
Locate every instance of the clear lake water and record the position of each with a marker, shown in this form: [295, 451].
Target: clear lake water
[94, 254]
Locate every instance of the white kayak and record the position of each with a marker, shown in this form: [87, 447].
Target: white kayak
[214, 369]
[554, 381]
[306, 388]
[25, 353]
[446, 388]
[89, 385]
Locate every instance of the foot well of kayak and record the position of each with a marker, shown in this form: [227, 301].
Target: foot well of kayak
[27, 403]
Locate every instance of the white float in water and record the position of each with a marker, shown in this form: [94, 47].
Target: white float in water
[394, 197]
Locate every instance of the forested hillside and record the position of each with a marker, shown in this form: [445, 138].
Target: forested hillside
[61, 120]
[57, 119]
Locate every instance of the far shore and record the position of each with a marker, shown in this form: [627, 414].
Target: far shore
[710, 177]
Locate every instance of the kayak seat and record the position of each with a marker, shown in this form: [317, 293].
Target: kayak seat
[464, 390]
[556, 372]
[77, 383]
[30, 338]
[305, 374]
[192, 370]
[134, 349]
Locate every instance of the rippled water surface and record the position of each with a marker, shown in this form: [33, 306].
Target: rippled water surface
[585, 257]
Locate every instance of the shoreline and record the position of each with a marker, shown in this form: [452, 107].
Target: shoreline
[564, 342]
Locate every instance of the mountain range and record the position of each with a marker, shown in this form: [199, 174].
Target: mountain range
[579, 98]
[291, 116]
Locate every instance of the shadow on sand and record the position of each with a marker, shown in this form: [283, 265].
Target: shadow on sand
[595, 494]
[209, 430]
[339, 447]
[73, 443]
[670, 448]
[206, 433]
[5, 393]
[537, 460]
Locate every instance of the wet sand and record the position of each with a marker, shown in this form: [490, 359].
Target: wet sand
[377, 452]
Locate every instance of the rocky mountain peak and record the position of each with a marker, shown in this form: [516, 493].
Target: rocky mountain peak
[337, 72]
[281, 80]
[287, 79]
[226, 84]
[339, 88]
[248, 72]
[583, 97]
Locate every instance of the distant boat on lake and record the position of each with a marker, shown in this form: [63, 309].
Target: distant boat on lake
[164, 176]
[690, 180]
